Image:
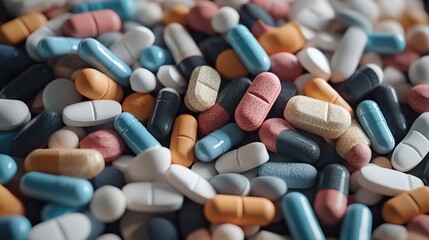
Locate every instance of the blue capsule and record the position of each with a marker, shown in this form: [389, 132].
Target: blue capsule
[248, 49]
[69, 191]
[7, 168]
[53, 210]
[98, 56]
[14, 227]
[357, 223]
[218, 142]
[53, 47]
[375, 126]
[124, 8]
[135, 135]
[153, 57]
[300, 218]
[385, 43]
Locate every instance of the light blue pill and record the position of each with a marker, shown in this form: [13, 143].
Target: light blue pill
[218, 142]
[14, 228]
[375, 126]
[53, 210]
[101, 58]
[7, 168]
[385, 43]
[357, 223]
[124, 8]
[231, 184]
[53, 47]
[300, 218]
[296, 175]
[6, 140]
[153, 57]
[248, 49]
[69, 191]
[351, 18]
[135, 135]
[269, 187]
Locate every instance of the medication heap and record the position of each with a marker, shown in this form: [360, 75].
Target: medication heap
[222, 120]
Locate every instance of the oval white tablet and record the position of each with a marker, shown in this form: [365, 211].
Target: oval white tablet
[148, 165]
[91, 113]
[142, 80]
[315, 62]
[59, 94]
[189, 183]
[170, 76]
[13, 114]
[150, 13]
[66, 227]
[108, 204]
[152, 197]
[225, 19]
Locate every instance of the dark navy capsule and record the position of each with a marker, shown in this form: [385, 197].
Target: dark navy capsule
[250, 13]
[188, 65]
[13, 58]
[331, 199]
[190, 218]
[360, 84]
[35, 133]
[385, 97]
[124, 8]
[287, 92]
[212, 47]
[357, 223]
[28, 83]
[163, 113]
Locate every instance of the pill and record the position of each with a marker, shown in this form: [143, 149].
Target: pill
[375, 126]
[346, 58]
[58, 94]
[288, 90]
[69, 191]
[124, 8]
[319, 88]
[274, 41]
[218, 142]
[139, 105]
[357, 223]
[417, 38]
[152, 197]
[70, 226]
[91, 24]
[207, 170]
[239, 210]
[110, 175]
[13, 59]
[14, 227]
[18, 29]
[183, 138]
[161, 228]
[389, 231]
[189, 183]
[164, 112]
[14, 114]
[315, 62]
[405, 206]
[319, 117]
[259, 97]
[91, 113]
[10, 204]
[417, 72]
[8, 168]
[64, 139]
[108, 204]
[352, 18]
[418, 98]
[153, 57]
[128, 48]
[66, 66]
[225, 19]
[285, 66]
[200, 16]
[105, 141]
[53, 210]
[143, 81]
[269, 187]
[296, 175]
[148, 165]
[227, 231]
[190, 219]
[331, 199]
[212, 47]
[53, 47]
[35, 133]
[230, 184]
[387, 181]
[299, 217]
[419, 225]
[134, 133]
[280, 137]
[229, 65]
[385, 43]
[414, 147]
[202, 89]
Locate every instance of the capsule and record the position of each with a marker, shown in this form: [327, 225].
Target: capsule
[164, 112]
[287, 38]
[95, 54]
[280, 137]
[95, 85]
[183, 138]
[124, 8]
[153, 57]
[134, 133]
[218, 142]
[239, 210]
[18, 29]
[248, 49]
[9, 204]
[91, 24]
[53, 47]
[212, 47]
[224, 108]
[53, 210]
[375, 126]
[182, 46]
[80, 163]
[8, 168]
[13, 58]
[300, 218]
[357, 223]
[331, 199]
[255, 17]
[385, 43]
[69, 191]
[14, 227]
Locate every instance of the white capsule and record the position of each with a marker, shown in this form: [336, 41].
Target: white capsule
[180, 43]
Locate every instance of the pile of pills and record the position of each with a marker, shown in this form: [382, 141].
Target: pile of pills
[222, 120]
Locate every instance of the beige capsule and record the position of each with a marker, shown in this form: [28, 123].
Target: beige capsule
[80, 163]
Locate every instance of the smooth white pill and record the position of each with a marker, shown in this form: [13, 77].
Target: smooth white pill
[225, 19]
[315, 62]
[313, 14]
[91, 113]
[142, 80]
[66, 227]
[13, 114]
[227, 231]
[148, 165]
[149, 13]
[419, 71]
[170, 76]
[388, 231]
[59, 94]
[108, 204]
[63, 139]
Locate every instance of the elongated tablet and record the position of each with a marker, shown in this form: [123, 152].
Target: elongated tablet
[91, 113]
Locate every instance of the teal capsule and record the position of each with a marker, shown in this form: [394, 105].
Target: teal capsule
[14, 227]
[300, 218]
[6, 140]
[53, 210]
[357, 223]
[375, 126]
[153, 57]
[385, 43]
[124, 8]
[218, 142]
[7, 168]
[248, 49]
[68, 191]
[53, 47]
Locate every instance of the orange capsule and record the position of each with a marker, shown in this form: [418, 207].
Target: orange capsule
[403, 207]
[287, 38]
[183, 138]
[140, 105]
[18, 29]
[239, 210]
[318, 88]
[9, 204]
[229, 65]
[96, 85]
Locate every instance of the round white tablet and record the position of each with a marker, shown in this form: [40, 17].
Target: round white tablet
[315, 62]
[143, 81]
[108, 204]
[60, 93]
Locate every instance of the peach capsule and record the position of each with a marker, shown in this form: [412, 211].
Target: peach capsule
[80, 163]
[183, 138]
[96, 85]
[9, 204]
[18, 29]
[239, 210]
